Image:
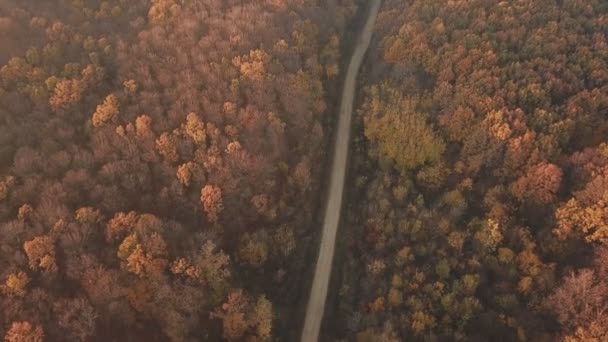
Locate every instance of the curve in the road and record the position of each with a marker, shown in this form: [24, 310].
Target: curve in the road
[318, 294]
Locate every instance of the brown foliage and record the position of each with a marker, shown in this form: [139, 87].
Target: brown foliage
[591, 222]
[110, 110]
[211, 197]
[67, 93]
[464, 226]
[41, 253]
[240, 313]
[77, 317]
[166, 146]
[24, 332]
[15, 284]
[106, 112]
[539, 185]
[581, 301]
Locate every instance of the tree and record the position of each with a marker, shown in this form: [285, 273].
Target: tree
[240, 313]
[489, 236]
[376, 267]
[209, 266]
[130, 86]
[25, 212]
[594, 331]
[284, 241]
[232, 314]
[66, 94]
[590, 222]
[190, 172]
[101, 284]
[120, 225]
[195, 128]
[143, 254]
[77, 317]
[211, 197]
[421, 322]
[253, 250]
[399, 131]
[106, 112]
[262, 318]
[395, 297]
[253, 66]
[24, 332]
[581, 300]
[442, 269]
[539, 185]
[88, 215]
[163, 10]
[302, 176]
[41, 253]
[5, 185]
[15, 284]
[166, 146]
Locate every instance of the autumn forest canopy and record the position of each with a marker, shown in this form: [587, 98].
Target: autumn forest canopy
[163, 167]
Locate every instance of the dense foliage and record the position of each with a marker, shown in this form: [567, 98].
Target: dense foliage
[159, 164]
[480, 202]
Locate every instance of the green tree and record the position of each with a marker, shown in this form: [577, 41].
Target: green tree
[398, 130]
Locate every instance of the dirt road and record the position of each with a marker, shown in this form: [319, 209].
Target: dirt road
[318, 294]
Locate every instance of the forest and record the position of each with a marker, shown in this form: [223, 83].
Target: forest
[163, 166]
[159, 164]
[478, 204]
